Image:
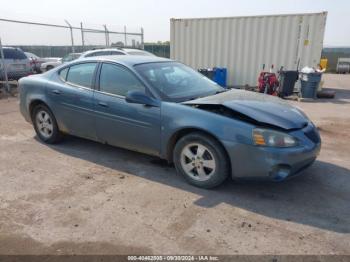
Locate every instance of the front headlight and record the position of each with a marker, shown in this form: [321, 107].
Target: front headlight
[268, 137]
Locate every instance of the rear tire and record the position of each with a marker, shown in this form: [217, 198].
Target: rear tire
[45, 125]
[201, 160]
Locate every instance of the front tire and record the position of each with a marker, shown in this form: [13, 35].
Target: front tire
[45, 125]
[201, 160]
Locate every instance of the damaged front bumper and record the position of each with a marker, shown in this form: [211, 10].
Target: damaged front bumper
[275, 164]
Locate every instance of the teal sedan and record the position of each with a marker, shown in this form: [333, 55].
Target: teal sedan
[163, 108]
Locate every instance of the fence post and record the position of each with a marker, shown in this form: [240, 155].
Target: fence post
[106, 35]
[4, 68]
[125, 41]
[142, 43]
[82, 35]
[71, 35]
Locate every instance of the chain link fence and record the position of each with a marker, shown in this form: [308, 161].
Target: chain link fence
[159, 49]
[54, 40]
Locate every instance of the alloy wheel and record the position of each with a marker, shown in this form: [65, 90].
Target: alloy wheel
[44, 124]
[198, 161]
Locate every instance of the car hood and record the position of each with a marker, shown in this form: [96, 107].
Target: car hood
[264, 109]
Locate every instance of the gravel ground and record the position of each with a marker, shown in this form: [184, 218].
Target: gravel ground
[81, 197]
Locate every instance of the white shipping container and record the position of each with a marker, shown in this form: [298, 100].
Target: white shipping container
[244, 44]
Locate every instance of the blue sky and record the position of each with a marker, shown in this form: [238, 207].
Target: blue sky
[154, 15]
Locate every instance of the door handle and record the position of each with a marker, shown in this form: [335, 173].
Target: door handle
[56, 92]
[103, 104]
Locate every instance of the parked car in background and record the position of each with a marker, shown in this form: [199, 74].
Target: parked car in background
[51, 64]
[115, 51]
[164, 108]
[130, 51]
[16, 62]
[343, 65]
[37, 61]
[93, 53]
[102, 52]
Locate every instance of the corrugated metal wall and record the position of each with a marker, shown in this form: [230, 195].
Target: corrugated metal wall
[243, 44]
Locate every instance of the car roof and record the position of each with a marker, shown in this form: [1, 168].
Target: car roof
[129, 60]
[13, 48]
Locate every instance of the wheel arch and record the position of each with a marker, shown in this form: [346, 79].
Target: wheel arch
[185, 131]
[33, 104]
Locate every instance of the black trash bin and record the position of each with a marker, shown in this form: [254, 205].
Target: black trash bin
[208, 72]
[309, 84]
[287, 82]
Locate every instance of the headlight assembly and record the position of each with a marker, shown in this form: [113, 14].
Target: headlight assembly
[272, 138]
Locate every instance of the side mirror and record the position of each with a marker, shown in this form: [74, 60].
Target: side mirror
[139, 97]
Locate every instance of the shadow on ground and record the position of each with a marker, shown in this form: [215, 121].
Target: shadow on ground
[342, 96]
[319, 198]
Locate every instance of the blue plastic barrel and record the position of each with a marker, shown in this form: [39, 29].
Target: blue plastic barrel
[309, 84]
[220, 76]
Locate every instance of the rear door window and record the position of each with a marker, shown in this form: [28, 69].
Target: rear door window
[81, 74]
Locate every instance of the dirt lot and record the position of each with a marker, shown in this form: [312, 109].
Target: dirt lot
[84, 197]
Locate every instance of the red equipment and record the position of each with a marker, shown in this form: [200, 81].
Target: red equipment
[268, 82]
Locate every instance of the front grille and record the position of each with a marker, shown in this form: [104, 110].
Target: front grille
[311, 133]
